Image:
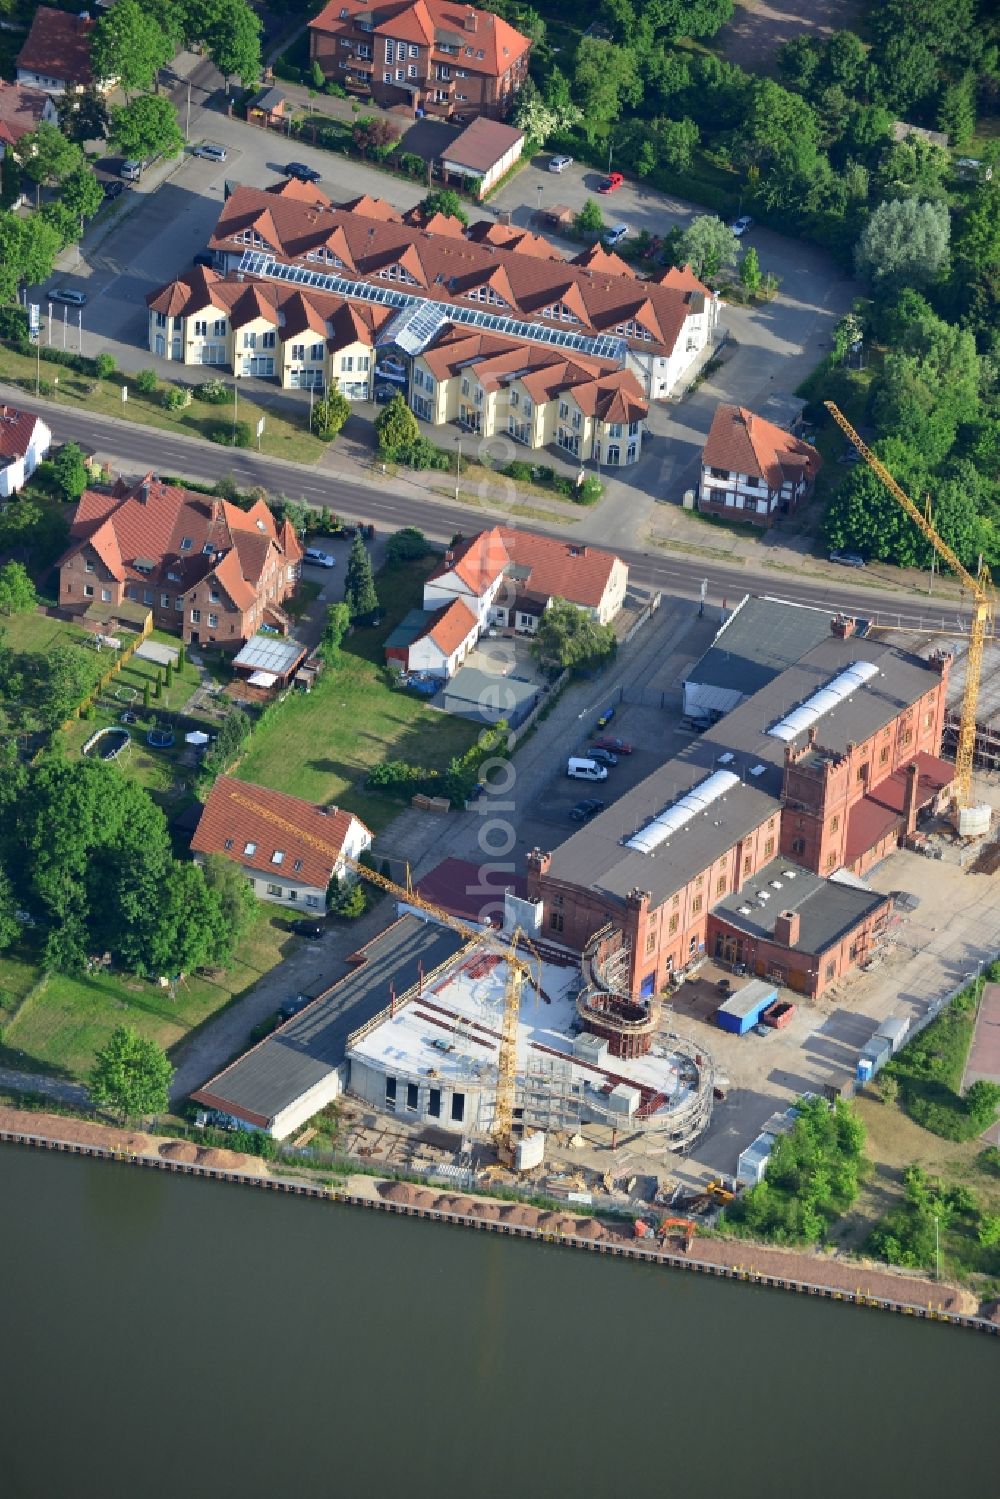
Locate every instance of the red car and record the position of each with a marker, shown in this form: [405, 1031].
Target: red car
[611, 184]
[616, 746]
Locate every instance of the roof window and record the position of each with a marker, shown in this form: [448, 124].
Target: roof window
[278, 857]
[228, 844]
[297, 866]
[251, 848]
[186, 543]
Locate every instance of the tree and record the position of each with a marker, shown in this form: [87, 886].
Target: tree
[10, 927]
[444, 201]
[330, 413]
[231, 32]
[233, 732]
[185, 928]
[543, 115]
[17, 592]
[989, 1230]
[82, 193]
[957, 111]
[982, 1099]
[888, 1088]
[709, 246]
[336, 626]
[395, 427]
[569, 637]
[67, 679]
[131, 1076]
[346, 898]
[359, 584]
[374, 135]
[234, 892]
[28, 250]
[146, 127]
[317, 74]
[63, 220]
[47, 156]
[606, 79]
[128, 45]
[904, 242]
[862, 515]
[82, 117]
[750, 271]
[70, 471]
[697, 18]
[407, 545]
[590, 219]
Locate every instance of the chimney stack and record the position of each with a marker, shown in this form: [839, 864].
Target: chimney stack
[910, 797]
[786, 928]
[843, 626]
[471, 20]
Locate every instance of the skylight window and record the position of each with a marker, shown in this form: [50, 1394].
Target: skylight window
[251, 848]
[297, 867]
[228, 844]
[186, 543]
[278, 857]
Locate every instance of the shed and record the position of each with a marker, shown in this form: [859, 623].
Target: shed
[895, 1030]
[559, 216]
[274, 656]
[742, 1010]
[485, 697]
[267, 107]
[482, 154]
[751, 1163]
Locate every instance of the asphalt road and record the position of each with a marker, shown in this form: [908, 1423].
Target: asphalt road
[139, 449]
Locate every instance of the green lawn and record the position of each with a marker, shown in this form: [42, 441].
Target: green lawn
[321, 746]
[67, 1018]
[34, 632]
[282, 438]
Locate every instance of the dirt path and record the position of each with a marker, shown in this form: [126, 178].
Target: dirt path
[129, 1142]
[759, 27]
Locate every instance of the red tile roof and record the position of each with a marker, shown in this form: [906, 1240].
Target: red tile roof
[478, 561]
[882, 808]
[58, 46]
[21, 111]
[741, 442]
[340, 322]
[16, 431]
[228, 826]
[425, 22]
[447, 268]
[509, 237]
[450, 626]
[549, 568]
[183, 534]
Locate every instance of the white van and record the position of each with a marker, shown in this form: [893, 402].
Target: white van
[586, 770]
[131, 171]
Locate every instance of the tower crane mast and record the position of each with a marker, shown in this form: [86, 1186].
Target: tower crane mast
[979, 588]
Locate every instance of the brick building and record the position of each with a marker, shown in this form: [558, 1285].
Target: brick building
[436, 57]
[820, 773]
[203, 566]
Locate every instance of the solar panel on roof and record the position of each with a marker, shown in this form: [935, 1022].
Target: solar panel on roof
[257, 263]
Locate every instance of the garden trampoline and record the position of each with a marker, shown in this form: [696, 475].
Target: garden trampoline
[160, 737]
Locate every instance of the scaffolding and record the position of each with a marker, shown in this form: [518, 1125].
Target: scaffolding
[553, 1098]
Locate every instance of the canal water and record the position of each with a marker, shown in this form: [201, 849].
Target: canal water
[161, 1336]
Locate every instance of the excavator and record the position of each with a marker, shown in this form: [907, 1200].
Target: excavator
[660, 1231]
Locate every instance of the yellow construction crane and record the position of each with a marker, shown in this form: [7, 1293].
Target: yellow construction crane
[518, 968]
[980, 589]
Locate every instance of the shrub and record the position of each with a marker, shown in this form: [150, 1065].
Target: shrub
[590, 491]
[213, 393]
[243, 435]
[14, 324]
[334, 89]
[407, 545]
[176, 397]
[410, 163]
[228, 436]
[423, 454]
[145, 381]
[104, 365]
[46, 388]
[519, 470]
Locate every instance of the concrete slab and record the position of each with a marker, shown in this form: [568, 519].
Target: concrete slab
[160, 655]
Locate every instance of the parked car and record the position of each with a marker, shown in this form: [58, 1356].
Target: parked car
[603, 756]
[210, 152]
[606, 717]
[617, 746]
[741, 225]
[847, 559]
[560, 163]
[616, 234]
[385, 393]
[113, 190]
[293, 1006]
[585, 810]
[132, 169]
[67, 294]
[301, 171]
[611, 183]
[311, 929]
[318, 558]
